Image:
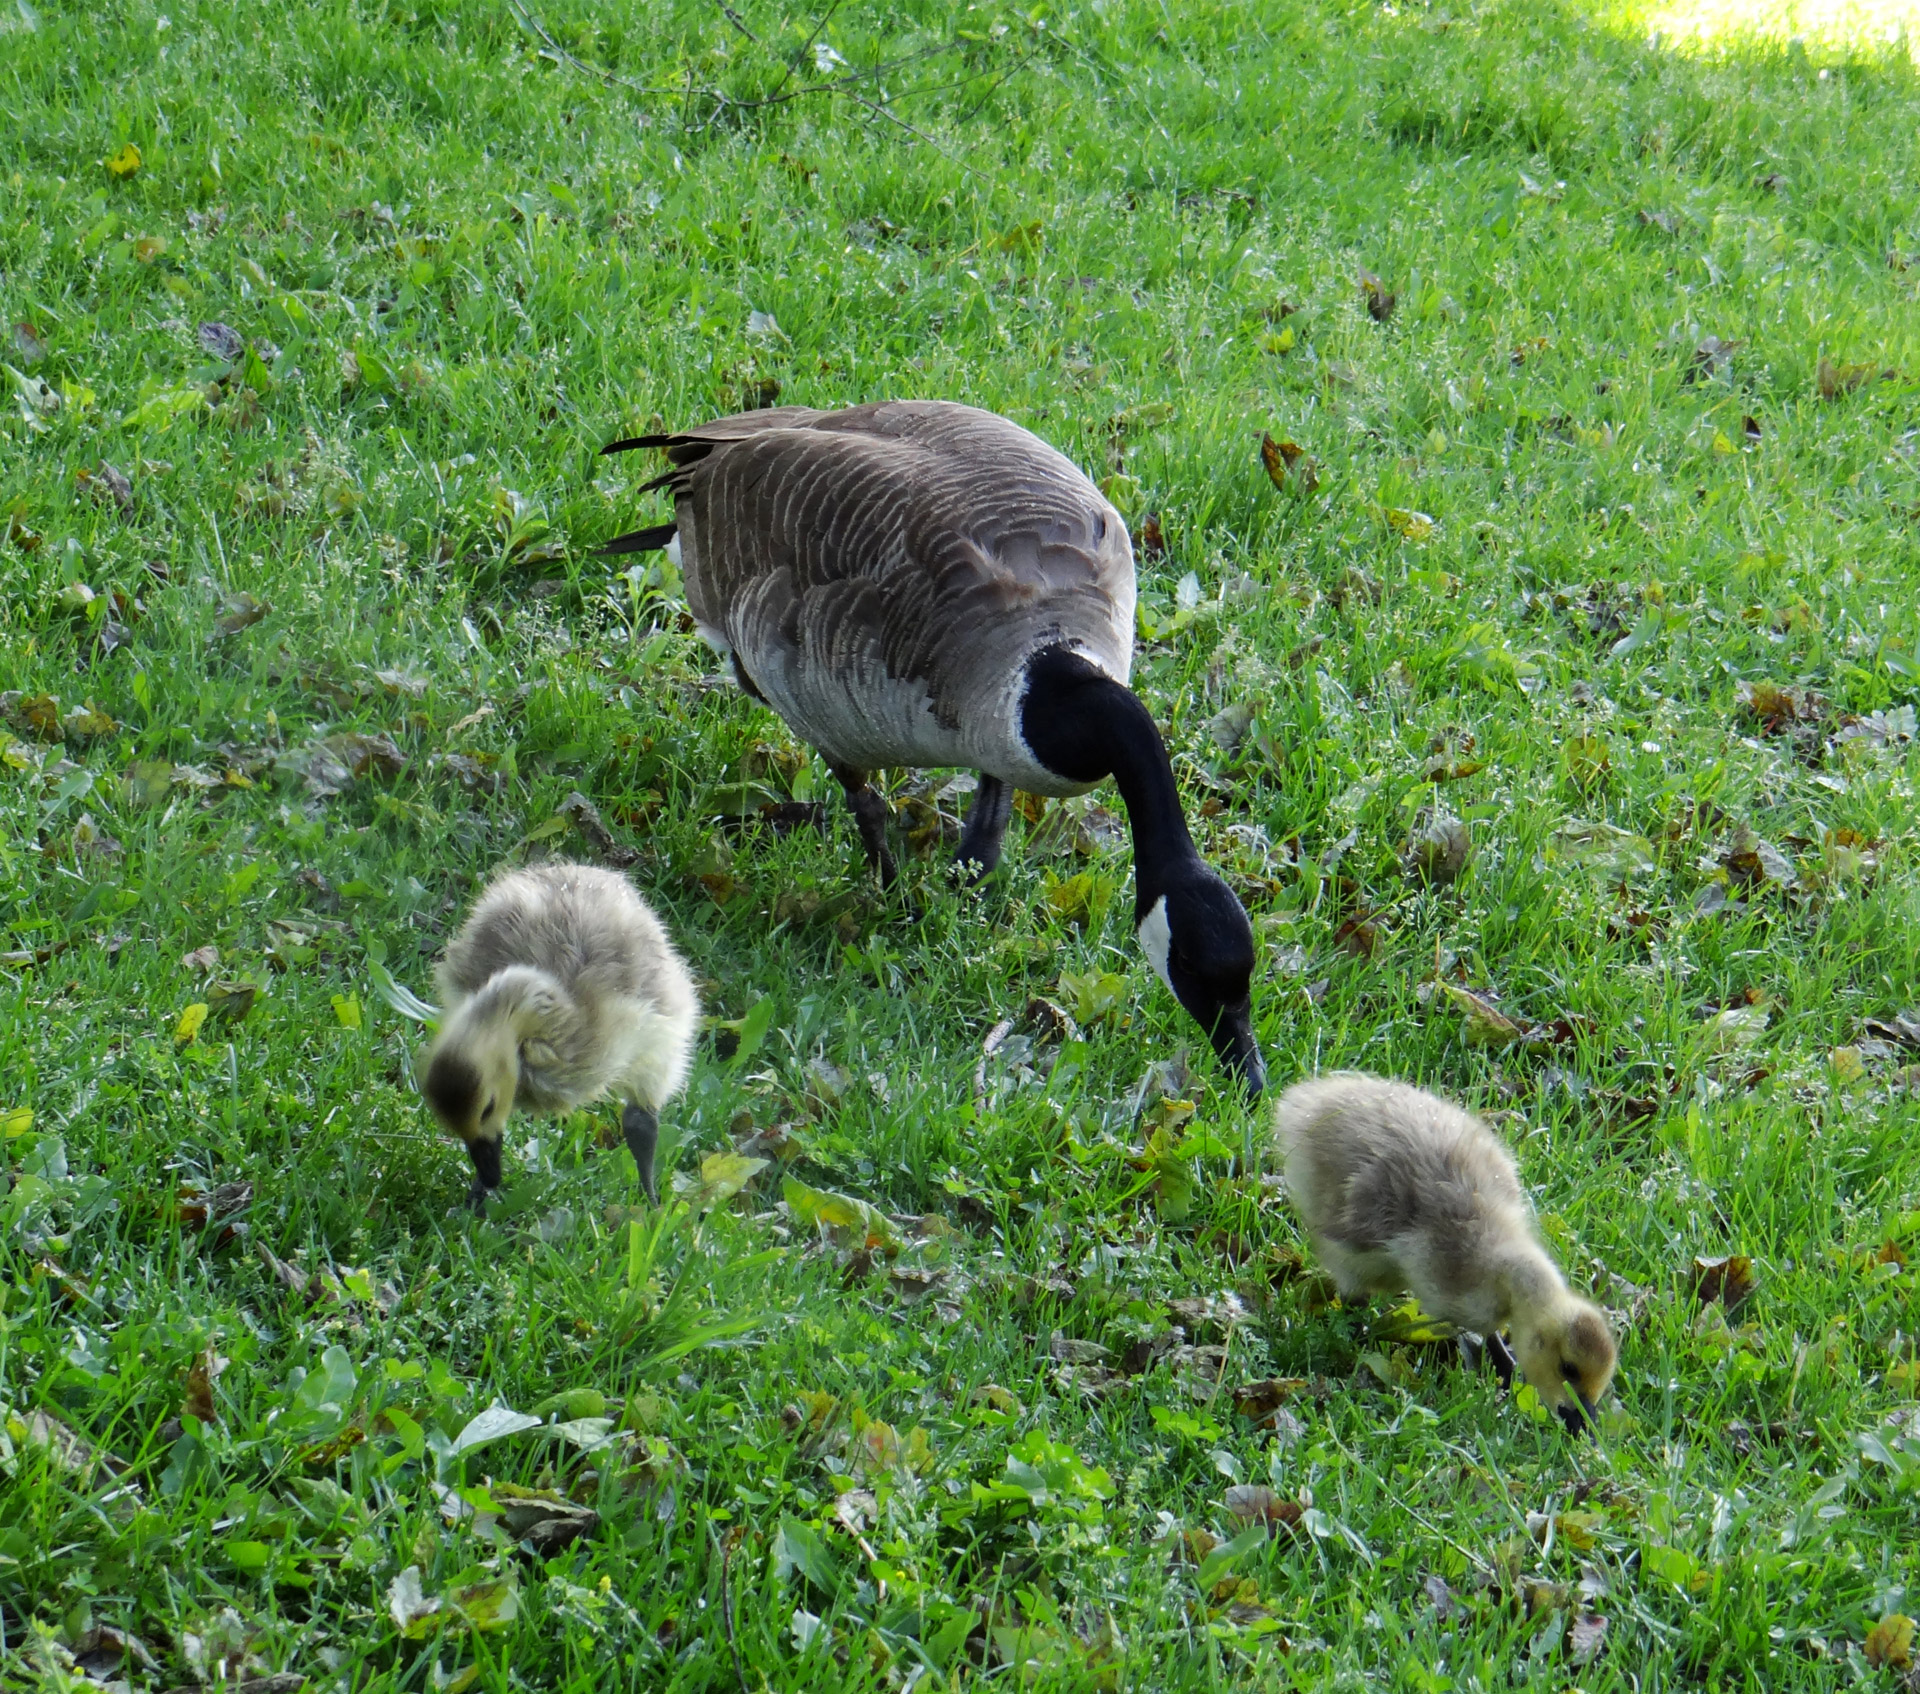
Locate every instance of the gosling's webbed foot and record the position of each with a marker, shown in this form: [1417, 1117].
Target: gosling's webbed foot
[642, 1129]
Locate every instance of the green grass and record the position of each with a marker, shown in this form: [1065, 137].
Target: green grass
[479, 257]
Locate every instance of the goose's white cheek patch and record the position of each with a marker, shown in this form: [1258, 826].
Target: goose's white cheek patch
[1156, 937]
[673, 550]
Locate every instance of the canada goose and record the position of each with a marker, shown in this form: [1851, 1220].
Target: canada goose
[1401, 1190]
[561, 986]
[922, 583]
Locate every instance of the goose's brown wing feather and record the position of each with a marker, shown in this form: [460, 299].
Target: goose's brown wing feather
[914, 540]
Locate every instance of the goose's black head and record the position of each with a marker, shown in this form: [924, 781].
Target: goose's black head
[1195, 933]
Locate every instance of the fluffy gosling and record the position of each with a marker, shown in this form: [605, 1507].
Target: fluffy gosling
[561, 987]
[1401, 1190]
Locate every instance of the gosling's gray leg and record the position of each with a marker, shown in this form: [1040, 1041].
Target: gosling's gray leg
[1500, 1356]
[486, 1173]
[643, 1133]
[870, 814]
[986, 827]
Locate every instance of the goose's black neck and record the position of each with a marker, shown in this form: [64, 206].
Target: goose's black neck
[1083, 725]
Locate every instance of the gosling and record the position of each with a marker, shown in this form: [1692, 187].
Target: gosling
[1401, 1190]
[561, 987]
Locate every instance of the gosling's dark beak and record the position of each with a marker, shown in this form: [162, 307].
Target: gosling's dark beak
[1577, 1414]
[486, 1171]
[1233, 1042]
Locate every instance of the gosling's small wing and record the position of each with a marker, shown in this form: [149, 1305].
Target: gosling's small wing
[842, 555]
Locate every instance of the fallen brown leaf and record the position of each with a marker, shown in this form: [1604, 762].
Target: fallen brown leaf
[1260, 1400]
[1889, 1643]
[1289, 465]
[1380, 299]
[1586, 1637]
[1255, 1502]
[1728, 1279]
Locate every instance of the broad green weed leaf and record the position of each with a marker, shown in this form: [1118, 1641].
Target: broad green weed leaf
[496, 1421]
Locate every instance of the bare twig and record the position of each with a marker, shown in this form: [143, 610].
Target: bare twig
[533, 25]
[832, 87]
[879, 110]
[739, 22]
[825, 19]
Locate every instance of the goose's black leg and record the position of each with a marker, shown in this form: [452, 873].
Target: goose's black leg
[986, 828]
[642, 1129]
[870, 813]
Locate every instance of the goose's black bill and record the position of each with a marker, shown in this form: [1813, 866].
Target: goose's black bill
[1233, 1042]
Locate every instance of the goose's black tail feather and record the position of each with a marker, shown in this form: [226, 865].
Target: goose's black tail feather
[633, 441]
[648, 540]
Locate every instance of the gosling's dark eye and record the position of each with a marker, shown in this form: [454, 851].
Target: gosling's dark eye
[486, 1111]
[1569, 1371]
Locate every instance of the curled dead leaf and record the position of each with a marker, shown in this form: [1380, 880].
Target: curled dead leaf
[1290, 467]
[1889, 1643]
[1255, 1502]
[1728, 1279]
[1379, 298]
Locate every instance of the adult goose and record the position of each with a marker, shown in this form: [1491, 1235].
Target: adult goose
[922, 583]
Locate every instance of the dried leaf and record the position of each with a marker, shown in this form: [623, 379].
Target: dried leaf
[1256, 1503]
[1152, 539]
[1437, 849]
[722, 1175]
[1728, 1279]
[1833, 380]
[222, 342]
[28, 345]
[197, 1401]
[1380, 300]
[238, 612]
[1289, 466]
[1753, 863]
[1889, 1643]
[1260, 1400]
[1486, 1024]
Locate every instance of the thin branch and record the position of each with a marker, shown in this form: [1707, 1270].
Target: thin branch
[879, 110]
[778, 99]
[739, 23]
[528, 21]
[826, 19]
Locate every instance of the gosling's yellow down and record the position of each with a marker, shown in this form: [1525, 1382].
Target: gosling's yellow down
[562, 986]
[1401, 1190]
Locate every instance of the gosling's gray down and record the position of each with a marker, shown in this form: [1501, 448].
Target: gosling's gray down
[1401, 1190]
[562, 986]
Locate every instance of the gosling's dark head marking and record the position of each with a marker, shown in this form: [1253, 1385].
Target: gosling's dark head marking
[452, 1087]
